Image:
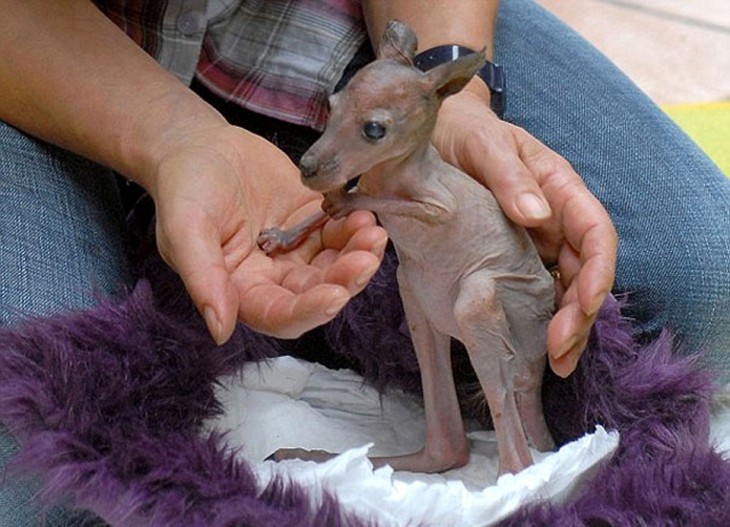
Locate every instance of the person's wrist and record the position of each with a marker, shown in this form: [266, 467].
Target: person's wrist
[174, 122]
[478, 88]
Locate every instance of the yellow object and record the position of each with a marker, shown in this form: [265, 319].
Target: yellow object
[708, 124]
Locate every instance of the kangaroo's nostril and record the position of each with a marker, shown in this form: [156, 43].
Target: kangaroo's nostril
[308, 165]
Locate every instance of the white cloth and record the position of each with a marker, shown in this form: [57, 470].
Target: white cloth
[290, 403]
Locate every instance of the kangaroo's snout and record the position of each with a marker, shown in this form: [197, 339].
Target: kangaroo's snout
[320, 173]
[308, 165]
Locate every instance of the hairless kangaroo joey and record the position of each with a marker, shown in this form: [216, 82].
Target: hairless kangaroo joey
[465, 270]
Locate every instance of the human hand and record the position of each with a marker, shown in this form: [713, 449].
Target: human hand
[215, 190]
[539, 190]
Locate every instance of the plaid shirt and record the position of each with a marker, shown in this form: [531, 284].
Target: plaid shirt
[281, 58]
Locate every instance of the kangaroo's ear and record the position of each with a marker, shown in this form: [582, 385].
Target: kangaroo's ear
[449, 78]
[398, 43]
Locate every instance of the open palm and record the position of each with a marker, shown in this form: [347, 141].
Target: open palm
[214, 194]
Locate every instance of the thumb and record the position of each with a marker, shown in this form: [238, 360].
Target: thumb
[196, 254]
[498, 165]
[519, 195]
[513, 184]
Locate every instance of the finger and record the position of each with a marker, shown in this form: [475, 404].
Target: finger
[351, 270]
[594, 284]
[358, 231]
[198, 258]
[564, 365]
[372, 239]
[302, 277]
[569, 327]
[500, 168]
[352, 267]
[588, 227]
[569, 264]
[337, 233]
[274, 310]
[360, 259]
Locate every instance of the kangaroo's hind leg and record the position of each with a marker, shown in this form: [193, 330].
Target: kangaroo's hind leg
[486, 334]
[529, 312]
[446, 444]
[528, 388]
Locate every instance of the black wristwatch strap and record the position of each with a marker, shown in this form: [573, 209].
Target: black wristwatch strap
[491, 74]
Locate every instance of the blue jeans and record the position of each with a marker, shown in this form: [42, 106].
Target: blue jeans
[670, 204]
[62, 245]
[61, 239]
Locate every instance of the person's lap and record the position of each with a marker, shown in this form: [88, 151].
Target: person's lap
[670, 204]
[61, 236]
[62, 246]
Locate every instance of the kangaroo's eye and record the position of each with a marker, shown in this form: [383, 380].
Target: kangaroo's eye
[373, 131]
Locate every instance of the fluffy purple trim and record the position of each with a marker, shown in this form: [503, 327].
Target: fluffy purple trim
[108, 404]
[665, 471]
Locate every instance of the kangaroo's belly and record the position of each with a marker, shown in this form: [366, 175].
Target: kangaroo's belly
[435, 292]
[471, 239]
[436, 257]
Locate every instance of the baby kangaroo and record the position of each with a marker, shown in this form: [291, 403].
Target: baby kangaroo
[465, 270]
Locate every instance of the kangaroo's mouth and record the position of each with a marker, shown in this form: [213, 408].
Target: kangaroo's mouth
[352, 183]
[325, 173]
[322, 183]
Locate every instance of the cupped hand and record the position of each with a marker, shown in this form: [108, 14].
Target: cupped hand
[538, 189]
[214, 190]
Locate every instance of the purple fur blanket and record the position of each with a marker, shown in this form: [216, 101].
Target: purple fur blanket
[108, 405]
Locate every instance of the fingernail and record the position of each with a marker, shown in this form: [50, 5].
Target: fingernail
[366, 275]
[532, 207]
[565, 348]
[336, 306]
[596, 304]
[214, 324]
[380, 247]
[564, 366]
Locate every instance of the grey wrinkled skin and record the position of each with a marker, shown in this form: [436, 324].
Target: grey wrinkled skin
[465, 270]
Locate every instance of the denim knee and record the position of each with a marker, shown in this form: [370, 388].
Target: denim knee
[62, 246]
[670, 204]
[677, 275]
[62, 241]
